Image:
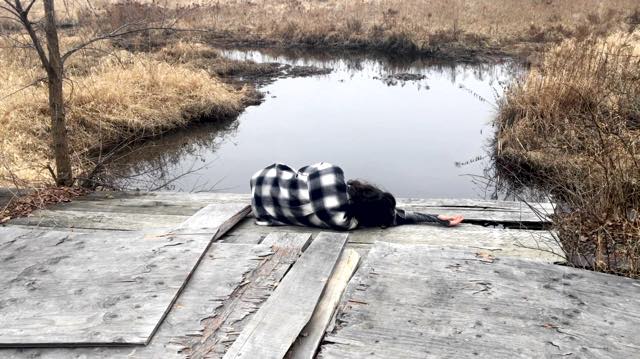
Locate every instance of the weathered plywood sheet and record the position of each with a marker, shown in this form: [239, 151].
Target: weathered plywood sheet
[512, 212]
[218, 276]
[65, 288]
[526, 244]
[99, 220]
[277, 324]
[132, 205]
[309, 339]
[416, 301]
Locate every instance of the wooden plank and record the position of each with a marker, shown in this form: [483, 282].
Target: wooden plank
[99, 220]
[277, 324]
[473, 210]
[307, 343]
[221, 331]
[200, 197]
[248, 238]
[134, 205]
[417, 301]
[480, 211]
[527, 244]
[117, 286]
[214, 283]
[204, 221]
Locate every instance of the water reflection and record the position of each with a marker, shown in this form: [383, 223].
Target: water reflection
[421, 137]
[162, 163]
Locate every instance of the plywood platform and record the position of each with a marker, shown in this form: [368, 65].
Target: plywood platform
[416, 301]
[416, 285]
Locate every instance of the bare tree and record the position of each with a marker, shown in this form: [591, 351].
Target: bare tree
[48, 49]
[52, 63]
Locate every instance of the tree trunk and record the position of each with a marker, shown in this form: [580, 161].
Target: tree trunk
[64, 174]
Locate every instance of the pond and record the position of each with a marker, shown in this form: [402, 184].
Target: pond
[414, 127]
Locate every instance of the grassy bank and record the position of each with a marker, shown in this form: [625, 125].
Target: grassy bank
[458, 29]
[111, 99]
[572, 128]
[447, 29]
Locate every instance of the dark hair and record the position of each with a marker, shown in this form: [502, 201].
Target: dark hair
[370, 205]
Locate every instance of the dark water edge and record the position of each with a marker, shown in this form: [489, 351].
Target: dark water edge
[418, 127]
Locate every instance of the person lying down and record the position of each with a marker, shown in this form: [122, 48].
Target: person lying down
[318, 196]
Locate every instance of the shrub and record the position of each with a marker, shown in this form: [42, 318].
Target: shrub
[571, 128]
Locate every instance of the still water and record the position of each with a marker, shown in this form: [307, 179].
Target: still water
[425, 136]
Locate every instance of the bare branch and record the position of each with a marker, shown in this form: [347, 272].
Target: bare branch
[26, 11]
[115, 34]
[37, 81]
[11, 10]
[10, 18]
[24, 19]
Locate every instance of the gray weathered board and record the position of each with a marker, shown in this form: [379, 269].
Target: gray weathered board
[105, 209]
[308, 341]
[113, 288]
[529, 244]
[221, 330]
[213, 284]
[275, 327]
[419, 301]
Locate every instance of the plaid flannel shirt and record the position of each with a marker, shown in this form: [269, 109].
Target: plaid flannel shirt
[315, 195]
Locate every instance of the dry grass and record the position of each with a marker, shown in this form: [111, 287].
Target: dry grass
[110, 99]
[446, 28]
[572, 128]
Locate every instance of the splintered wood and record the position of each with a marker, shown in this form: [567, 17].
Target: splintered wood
[277, 324]
[417, 301]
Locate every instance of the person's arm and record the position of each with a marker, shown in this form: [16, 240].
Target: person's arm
[410, 217]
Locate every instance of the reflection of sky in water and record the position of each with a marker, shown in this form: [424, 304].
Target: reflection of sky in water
[405, 138]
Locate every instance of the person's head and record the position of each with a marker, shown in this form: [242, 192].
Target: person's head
[370, 205]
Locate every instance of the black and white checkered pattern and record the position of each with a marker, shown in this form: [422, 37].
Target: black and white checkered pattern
[314, 195]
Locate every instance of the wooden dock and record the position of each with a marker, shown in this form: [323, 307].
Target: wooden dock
[179, 275]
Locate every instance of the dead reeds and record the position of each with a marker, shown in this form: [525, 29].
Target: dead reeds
[109, 99]
[571, 128]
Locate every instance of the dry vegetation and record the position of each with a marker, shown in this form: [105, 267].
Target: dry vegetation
[110, 99]
[446, 28]
[572, 128]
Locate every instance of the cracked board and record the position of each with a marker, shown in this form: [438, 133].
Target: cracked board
[276, 325]
[418, 301]
[89, 289]
[219, 332]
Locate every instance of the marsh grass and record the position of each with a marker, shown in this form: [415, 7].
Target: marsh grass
[572, 129]
[109, 99]
[445, 28]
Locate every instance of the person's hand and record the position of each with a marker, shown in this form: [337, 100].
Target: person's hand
[453, 220]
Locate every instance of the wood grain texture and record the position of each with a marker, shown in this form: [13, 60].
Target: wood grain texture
[99, 220]
[103, 288]
[417, 301]
[528, 244]
[220, 331]
[222, 270]
[277, 324]
[482, 211]
[308, 342]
